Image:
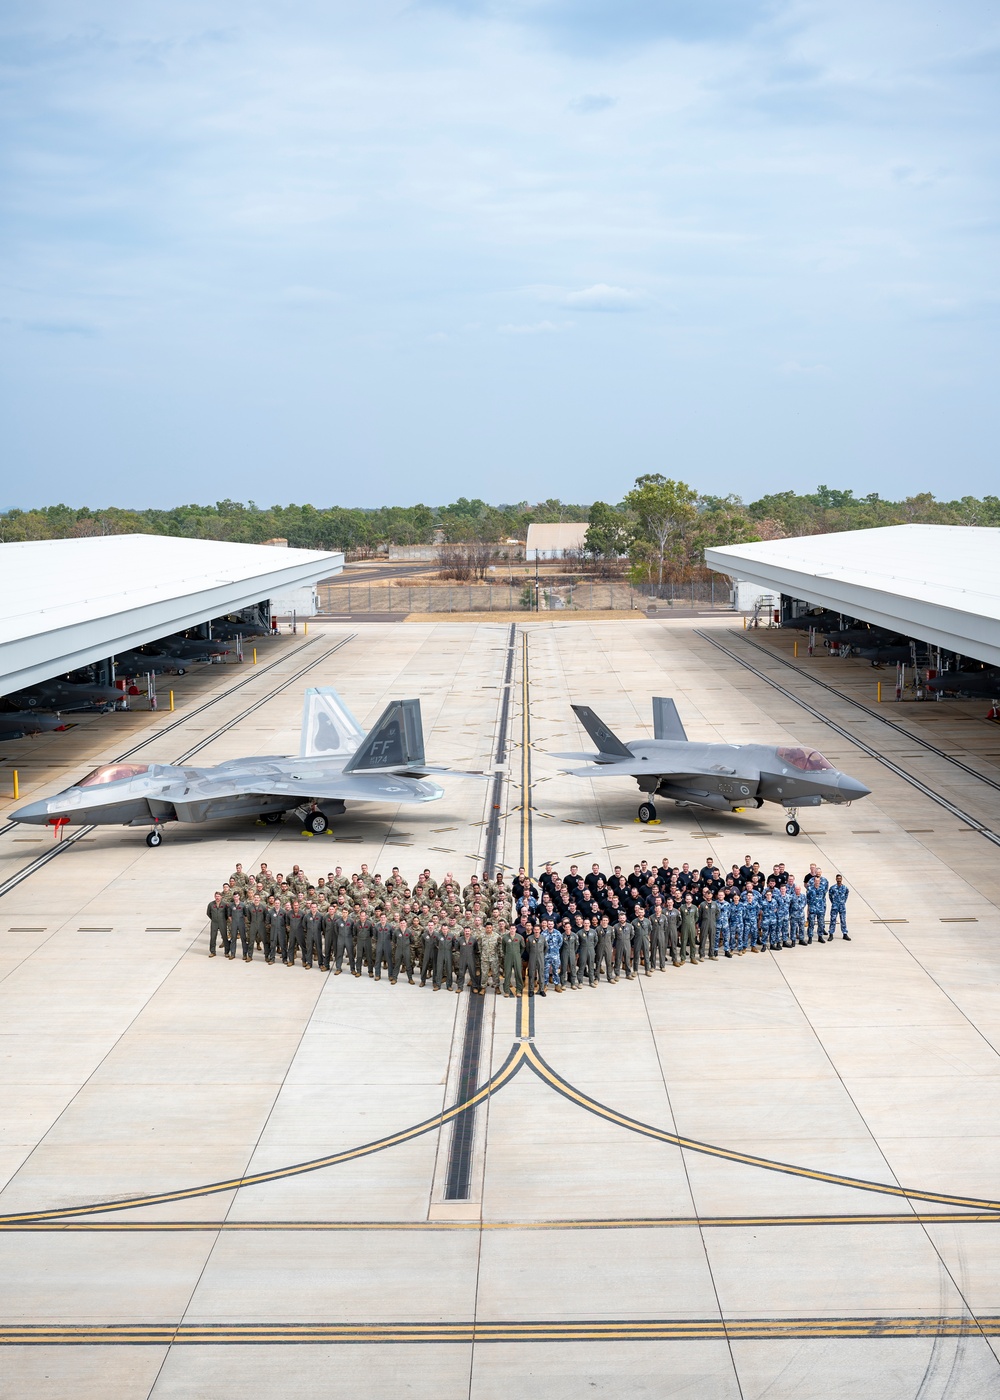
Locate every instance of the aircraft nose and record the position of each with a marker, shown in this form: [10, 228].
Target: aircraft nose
[33, 812]
[850, 789]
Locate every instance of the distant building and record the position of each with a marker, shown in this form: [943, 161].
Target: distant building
[415, 553]
[555, 541]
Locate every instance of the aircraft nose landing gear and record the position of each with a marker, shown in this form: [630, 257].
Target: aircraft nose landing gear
[154, 838]
[791, 825]
[647, 812]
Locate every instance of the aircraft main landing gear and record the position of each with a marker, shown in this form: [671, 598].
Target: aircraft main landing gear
[154, 838]
[647, 812]
[317, 823]
[271, 818]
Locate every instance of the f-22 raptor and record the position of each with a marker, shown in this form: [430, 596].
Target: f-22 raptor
[721, 777]
[337, 763]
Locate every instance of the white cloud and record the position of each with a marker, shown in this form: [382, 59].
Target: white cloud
[601, 297]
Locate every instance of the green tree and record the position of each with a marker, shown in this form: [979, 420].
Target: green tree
[609, 532]
[662, 508]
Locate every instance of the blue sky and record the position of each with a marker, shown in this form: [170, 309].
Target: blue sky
[377, 253]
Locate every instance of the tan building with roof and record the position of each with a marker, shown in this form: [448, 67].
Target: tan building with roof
[555, 541]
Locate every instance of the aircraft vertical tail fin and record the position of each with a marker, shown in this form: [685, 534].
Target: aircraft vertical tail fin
[328, 727]
[666, 721]
[607, 743]
[396, 741]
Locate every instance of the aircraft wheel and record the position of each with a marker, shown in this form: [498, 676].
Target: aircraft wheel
[317, 823]
[271, 818]
[792, 827]
[647, 812]
[154, 839]
[181, 670]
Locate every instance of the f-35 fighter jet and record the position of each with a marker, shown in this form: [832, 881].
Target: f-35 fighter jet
[18, 724]
[337, 763]
[197, 648]
[61, 695]
[721, 777]
[974, 683]
[824, 621]
[883, 655]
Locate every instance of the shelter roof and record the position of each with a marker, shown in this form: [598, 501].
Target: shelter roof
[937, 583]
[68, 603]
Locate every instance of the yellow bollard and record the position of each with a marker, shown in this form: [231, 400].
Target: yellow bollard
[305, 628]
[171, 700]
[880, 692]
[795, 648]
[17, 791]
[255, 656]
[744, 622]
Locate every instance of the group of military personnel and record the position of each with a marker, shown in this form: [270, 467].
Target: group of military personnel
[558, 932]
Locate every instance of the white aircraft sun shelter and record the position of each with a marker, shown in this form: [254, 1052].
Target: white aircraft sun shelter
[71, 603]
[938, 584]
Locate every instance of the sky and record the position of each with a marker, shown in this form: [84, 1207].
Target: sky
[376, 253]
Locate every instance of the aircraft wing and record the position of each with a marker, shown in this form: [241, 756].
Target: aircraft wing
[426, 768]
[377, 787]
[590, 757]
[311, 781]
[637, 768]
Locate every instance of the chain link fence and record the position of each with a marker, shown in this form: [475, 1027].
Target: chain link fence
[586, 596]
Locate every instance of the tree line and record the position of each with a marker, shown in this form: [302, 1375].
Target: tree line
[658, 530]
[663, 526]
[356, 530]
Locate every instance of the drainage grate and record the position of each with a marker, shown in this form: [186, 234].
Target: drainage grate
[88, 929]
[27, 930]
[163, 930]
[958, 921]
[888, 921]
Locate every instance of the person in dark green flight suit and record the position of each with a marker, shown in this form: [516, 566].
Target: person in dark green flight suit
[536, 961]
[513, 961]
[444, 947]
[467, 948]
[218, 922]
[256, 924]
[403, 953]
[238, 928]
[383, 946]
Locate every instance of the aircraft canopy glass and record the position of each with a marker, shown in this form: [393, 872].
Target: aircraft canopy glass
[113, 773]
[808, 760]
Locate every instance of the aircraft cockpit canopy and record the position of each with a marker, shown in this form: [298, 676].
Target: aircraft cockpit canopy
[113, 773]
[807, 760]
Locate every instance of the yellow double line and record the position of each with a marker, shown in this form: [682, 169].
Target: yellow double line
[639, 1222]
[523, 1052]
[526, 853]
[467, 1333]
